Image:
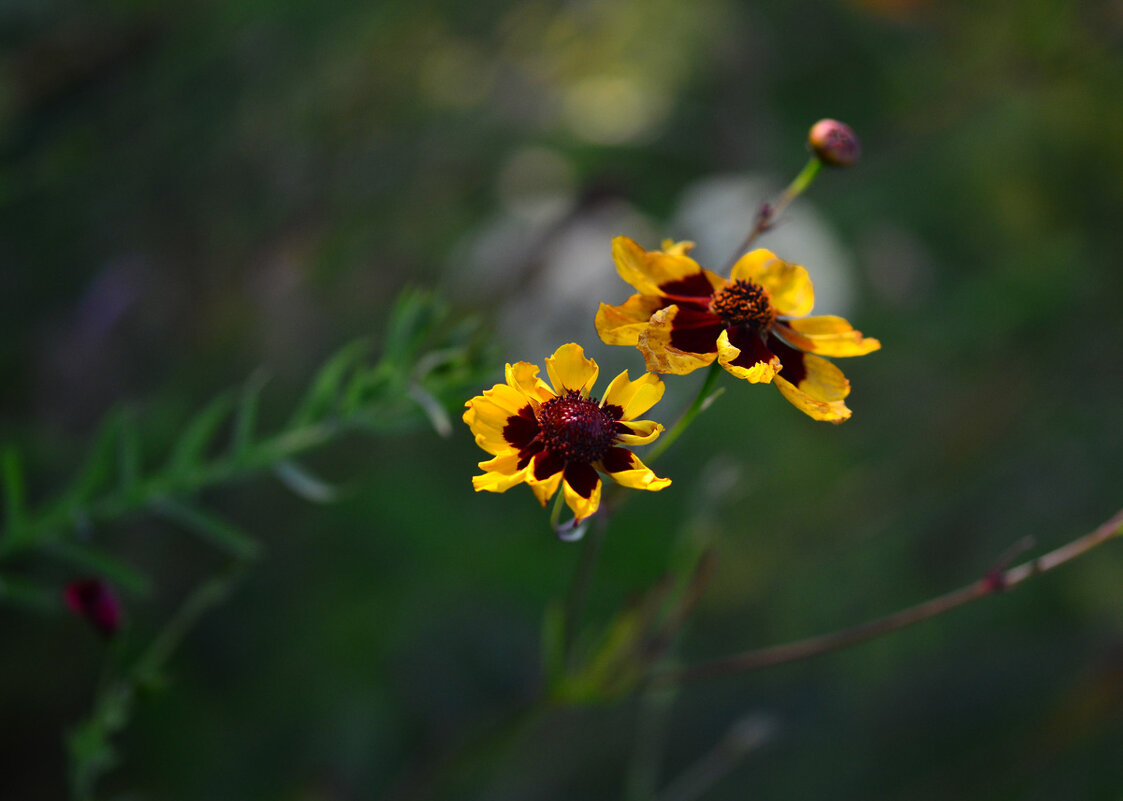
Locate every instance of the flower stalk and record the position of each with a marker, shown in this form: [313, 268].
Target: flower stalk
[769, 213]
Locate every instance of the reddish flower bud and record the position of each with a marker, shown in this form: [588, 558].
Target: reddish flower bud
[94, 600]
[834, 143]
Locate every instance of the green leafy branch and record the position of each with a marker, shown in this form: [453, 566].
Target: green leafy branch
[426, 362]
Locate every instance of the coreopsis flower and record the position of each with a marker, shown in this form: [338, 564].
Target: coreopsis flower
[562, 436]
[754, 324]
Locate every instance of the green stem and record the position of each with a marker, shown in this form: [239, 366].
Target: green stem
[579, 589]
[113, 704]
[768, 214]
[150, 491]
[688, 416]
[555, 514]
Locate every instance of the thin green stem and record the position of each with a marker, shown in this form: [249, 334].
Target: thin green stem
[770, 212]
[153, 489]
[89, 752]
[579, 589]
[688, 416]
[555, 513]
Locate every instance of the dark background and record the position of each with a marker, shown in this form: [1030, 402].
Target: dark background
[191, 191]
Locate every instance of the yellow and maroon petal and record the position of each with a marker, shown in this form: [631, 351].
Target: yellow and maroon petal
[627, 470]
[621, 325]
[523, 376]
[661, 343]
[826, 335]
[814, 375]
[647, 270]
[788, 284]
[544, 475]
[486, 421]
[569, 369]
[811, 384]
[633, 398]
[743, 354]
[582, 488]
[501, 473]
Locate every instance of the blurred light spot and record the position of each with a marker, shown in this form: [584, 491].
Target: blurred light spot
[537, 185]
[718, 212]
[611, 110]
[456, 75]
[899, 268]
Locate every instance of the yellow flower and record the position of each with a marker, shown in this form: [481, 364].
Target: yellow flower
[685, 317]
[562, 436]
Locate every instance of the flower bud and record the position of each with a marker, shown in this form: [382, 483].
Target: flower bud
[834, 143]
[96, 602]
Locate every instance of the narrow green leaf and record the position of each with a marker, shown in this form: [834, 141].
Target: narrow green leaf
[245, 419]
[21, 592]
[323, 395]
[128, 454]
[97, 472]
[409, 321]
[433, 409]
[94, 560]
[210, 526]
[200, 432]
[14, 493]
[303, 483]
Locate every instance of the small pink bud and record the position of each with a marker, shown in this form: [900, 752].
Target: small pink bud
[94, 600]
[834, 143]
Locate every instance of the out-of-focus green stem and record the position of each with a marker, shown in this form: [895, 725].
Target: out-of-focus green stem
[688, 416]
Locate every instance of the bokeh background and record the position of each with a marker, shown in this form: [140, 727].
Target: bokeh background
[193, 191]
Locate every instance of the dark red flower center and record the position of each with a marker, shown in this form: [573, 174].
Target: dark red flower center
[576, 429]
[744, 303]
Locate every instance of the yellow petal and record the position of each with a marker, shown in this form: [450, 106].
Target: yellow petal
[640, 476]
[487, 420]
[569, 369]
[788, 284]
[826, 335]
[582, 507]
[644, 432]
[647, 270]
[633, 397]
[621, 325]
[761, 372]
[523, 376]
[673, 248]
[500, 473]
[830, 411]
[659, 355]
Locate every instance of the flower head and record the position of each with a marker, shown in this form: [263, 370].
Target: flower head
[684, 317]
[562, 436]
[95, 600]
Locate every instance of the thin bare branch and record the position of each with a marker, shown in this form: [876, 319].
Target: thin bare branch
[994, 581]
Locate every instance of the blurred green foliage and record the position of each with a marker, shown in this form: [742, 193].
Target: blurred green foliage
[191, 192]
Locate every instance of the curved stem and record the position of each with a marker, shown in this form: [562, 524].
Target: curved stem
[688, 416]
[995, 581]
[768, 213]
